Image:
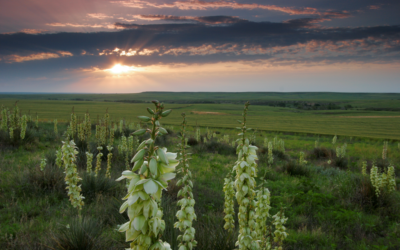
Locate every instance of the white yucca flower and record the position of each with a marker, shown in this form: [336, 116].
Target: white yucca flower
[72, 178]
[186, 214]
[43, 163]
[156, 167]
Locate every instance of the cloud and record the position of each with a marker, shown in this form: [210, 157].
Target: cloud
[200, 19]
[203, 5]
[37, 56]
[27, 31]
[297, 39]
[374, 7]
[77, 25]
[99, 16]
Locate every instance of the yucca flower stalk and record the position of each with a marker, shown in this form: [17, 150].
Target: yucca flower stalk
[130, 145]
[121, 125]
[24, 121]
[88, 123]
[109, 157]
[316, 144]
[106, 122]
[156, 167]
[334, 140]
[98, 161]
[246, 171]
[124, 149]
[270, 153]
[59, 160]
[55, 127]
[72, 179]
[112, 136]
[265, 142]
[209, 133]
[262, 214]
[43, 163]
[384, 150]
[69, 133]
[302, 160]
[280, 230]
[198, 133]
[375, 179]
[89, 160]
[4, 119]
[385, 181]
[81, 131]
[123, 145]
[72, 124]
[391, 185]
[229, 190]
[186, 214]
[226, 139]
[97, 134]
[364, 168]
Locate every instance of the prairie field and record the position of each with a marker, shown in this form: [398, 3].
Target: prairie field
[329, 202]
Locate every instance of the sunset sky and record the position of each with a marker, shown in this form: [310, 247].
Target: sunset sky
[133, 46]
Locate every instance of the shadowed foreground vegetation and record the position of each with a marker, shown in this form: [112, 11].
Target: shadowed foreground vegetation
[330, 205]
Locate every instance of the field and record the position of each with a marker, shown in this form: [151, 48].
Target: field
[356, 122]
[328, 202]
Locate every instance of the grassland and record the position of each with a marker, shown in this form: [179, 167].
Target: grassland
[327, 205]
[356, 123]
[330, 205]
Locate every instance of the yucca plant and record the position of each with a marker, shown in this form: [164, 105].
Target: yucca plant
[72, 178]
[109, 157]
[229, 190]
[186, 214]
[156, 167]
[383, 182]
[55, 127]
[246, 171]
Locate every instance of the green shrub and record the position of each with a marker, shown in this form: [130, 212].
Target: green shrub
[293, 168]
[51, 179]
[80, 233]
[320, 153]
[92, 186]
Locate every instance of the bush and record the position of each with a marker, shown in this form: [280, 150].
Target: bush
[320, 153]
[363, 194]
[295, 169]
[210, 232]
[213, 146]
[341, 163]
[7, 143]
[82, 233]
[91, 185]
[192, 141]
[51, 179]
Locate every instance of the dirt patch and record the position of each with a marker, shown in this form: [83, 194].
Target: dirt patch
[208, 113]
[393, 116]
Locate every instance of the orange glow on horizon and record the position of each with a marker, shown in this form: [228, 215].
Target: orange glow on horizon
[121, 69]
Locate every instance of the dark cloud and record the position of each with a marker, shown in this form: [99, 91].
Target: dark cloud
[200, 19]
[297, 39]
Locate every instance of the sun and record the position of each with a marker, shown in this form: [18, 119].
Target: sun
[119, 69]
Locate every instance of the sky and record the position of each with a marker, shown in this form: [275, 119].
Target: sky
[130, 46]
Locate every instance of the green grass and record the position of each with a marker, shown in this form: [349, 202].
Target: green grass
[210, 96]
[328, 207]
[323, 205]
[373, 124]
